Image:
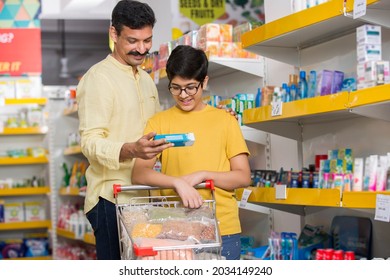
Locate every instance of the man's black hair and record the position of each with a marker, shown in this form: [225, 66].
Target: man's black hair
[133, 14]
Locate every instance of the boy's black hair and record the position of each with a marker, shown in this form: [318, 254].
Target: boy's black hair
[187, 62]
[133, 14]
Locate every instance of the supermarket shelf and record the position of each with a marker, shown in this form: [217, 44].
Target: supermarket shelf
[71, 112]
[87, 238]
[314, 197]
[24, 191]
[72, 191]
[295, 196]
[23, 160]
[254, 135]
[73, 150]
[24, 130]
[221, 66]
[25, 225]
[284, 38]
[23, 101]
[372, 102]
[361, 199]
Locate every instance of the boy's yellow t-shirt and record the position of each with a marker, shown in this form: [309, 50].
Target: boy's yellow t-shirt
[218, 138]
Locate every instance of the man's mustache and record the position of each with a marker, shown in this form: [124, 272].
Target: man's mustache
[138, 53]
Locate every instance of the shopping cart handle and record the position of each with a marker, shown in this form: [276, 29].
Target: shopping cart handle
[208, 184]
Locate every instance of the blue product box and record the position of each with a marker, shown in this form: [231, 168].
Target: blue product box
[179, 140]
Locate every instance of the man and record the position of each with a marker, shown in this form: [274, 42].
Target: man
[115, 99]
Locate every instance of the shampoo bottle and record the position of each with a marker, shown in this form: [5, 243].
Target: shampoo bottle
[303, 87]
[312, 83]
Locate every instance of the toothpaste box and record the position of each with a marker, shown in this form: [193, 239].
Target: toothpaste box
[179, 140]
[369, 34]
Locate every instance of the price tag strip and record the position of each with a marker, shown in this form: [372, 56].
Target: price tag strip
[277, 107]
[382, 208]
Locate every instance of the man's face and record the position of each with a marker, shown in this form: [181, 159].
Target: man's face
[132, 45]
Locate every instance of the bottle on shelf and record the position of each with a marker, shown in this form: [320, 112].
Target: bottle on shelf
[303, 87]
[258, 98]
[293, 92]
[286, 93]
[312, 83]
[293, 80]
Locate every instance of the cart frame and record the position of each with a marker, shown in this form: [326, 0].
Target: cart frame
[130, 250]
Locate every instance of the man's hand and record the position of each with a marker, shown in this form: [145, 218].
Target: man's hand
[145, 148]
[229, 110]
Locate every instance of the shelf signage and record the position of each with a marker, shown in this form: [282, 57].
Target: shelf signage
[202, 11]
[276, 108]
[20, 51]
[359, 8]
[382, 209]
[244, 199]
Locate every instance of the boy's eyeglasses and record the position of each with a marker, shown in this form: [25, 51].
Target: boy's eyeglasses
[189, 90]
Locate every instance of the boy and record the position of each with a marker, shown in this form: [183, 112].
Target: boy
[219, 152]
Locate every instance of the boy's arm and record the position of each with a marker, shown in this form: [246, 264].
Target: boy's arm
[238, 177]
[144, 174]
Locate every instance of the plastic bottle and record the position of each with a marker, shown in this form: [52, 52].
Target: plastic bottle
[312, 83]
[258, 98]
[277, 95]
[293, 92]
[303, 87]
[292, 80]
[287, 97]
[284, 92]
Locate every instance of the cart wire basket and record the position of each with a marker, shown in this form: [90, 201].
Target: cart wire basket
[161, 228]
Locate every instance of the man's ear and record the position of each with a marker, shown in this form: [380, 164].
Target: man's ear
[113, 34]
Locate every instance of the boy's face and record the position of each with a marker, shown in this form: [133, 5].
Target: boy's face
[185, 101]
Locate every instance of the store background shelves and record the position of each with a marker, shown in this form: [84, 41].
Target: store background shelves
[285, 38]
[372, 102]
[320, 38]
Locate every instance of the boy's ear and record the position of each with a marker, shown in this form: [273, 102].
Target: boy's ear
[205, 82]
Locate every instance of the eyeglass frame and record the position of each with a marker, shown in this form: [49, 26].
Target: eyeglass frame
[185, 89]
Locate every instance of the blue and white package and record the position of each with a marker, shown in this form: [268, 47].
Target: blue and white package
[179, 139]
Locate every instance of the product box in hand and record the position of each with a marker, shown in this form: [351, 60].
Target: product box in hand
[179, 139]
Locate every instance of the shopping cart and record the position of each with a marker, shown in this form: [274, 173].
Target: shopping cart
[161, 228]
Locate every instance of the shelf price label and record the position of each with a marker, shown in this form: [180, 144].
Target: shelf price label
[276, 108]
[382, 208]
[244, 199]
[359, 8]
[280, 191]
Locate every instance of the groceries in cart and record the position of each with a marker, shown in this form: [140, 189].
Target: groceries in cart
[163, 229]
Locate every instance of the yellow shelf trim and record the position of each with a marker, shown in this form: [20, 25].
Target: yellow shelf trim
[25, 191]
[22, 101]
